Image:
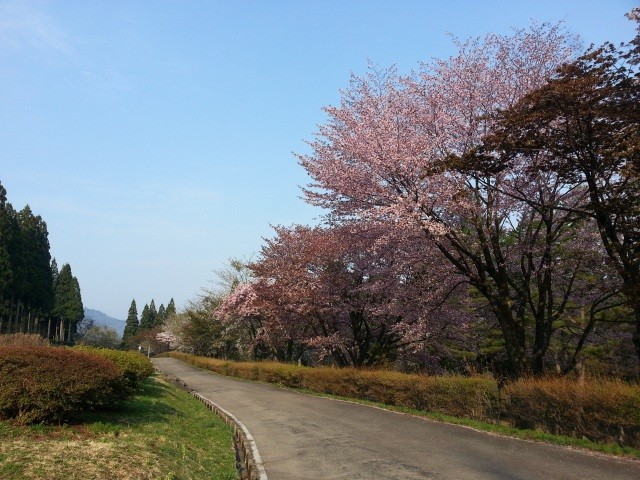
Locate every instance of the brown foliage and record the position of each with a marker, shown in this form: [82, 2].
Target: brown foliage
[469, 397]
[600, 410]
[23, 340]
[49, 384]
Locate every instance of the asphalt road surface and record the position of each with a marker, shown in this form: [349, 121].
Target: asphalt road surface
[305, 437]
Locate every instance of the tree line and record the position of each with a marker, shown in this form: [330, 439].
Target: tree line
[151, 319]
[35, 297]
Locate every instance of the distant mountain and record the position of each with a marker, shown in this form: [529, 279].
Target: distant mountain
[103, 319]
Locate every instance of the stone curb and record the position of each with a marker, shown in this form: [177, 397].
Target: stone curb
[248, 457]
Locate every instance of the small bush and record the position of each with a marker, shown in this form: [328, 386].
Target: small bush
[23, 340]
[135, 366]
[600, 410]
[49, 384]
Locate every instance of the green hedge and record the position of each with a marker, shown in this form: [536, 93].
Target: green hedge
[135, 366]
[49, 384]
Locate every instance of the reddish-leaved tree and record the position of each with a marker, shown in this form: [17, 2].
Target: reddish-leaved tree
[360, 292]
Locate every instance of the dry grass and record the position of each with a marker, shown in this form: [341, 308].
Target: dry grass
[23, 340]
[78, 459]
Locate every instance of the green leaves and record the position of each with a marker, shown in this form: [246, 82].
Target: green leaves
[68, 300]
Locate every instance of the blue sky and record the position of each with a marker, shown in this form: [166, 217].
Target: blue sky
[155, 138]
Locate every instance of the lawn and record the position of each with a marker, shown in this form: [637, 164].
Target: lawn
[163, 433]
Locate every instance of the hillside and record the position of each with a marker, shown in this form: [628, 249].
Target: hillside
[101, 318]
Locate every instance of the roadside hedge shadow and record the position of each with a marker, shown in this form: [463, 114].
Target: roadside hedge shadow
[144, 408]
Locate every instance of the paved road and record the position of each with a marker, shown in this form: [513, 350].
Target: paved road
[303, 437]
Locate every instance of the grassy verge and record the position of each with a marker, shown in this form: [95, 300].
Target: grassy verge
[163, 433]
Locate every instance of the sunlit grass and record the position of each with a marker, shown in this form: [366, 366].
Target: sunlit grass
[164, 433]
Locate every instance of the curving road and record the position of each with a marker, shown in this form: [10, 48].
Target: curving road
[304, 437]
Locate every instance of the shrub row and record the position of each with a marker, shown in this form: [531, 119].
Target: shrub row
[135, 366]
[475, 397]
[600, 410]
[56, 384]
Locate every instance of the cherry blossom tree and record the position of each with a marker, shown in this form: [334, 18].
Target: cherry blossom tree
[357, 292]
[391, 152]
[242, 311]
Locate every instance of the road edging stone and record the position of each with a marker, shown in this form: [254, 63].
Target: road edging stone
[248, 457]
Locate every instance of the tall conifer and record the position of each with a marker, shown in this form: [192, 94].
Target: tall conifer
[170, 310]
[145, 319]
[160, 316]
[67, 305]
[132, 326]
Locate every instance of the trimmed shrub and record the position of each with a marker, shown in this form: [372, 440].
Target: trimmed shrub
[469, 397]
[600, 410]
[135, 366]
[24, 340]
[49, 384]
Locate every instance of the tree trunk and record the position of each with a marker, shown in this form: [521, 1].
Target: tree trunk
[17, 321]
[516, 351]
[636, 334]
[10, 316]
[514, 336]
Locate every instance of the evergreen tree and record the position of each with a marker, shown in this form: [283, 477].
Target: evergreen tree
[170, 310]
[67, 306]
[36, 261]
[160, 316]
[5, 283]
[145, 319]
[54, 269]
[12, 286]
[132, 326]
[79, 310]
[153, 313]
[28, 277]
[5, 260]
[5, 270]
[12, 270]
